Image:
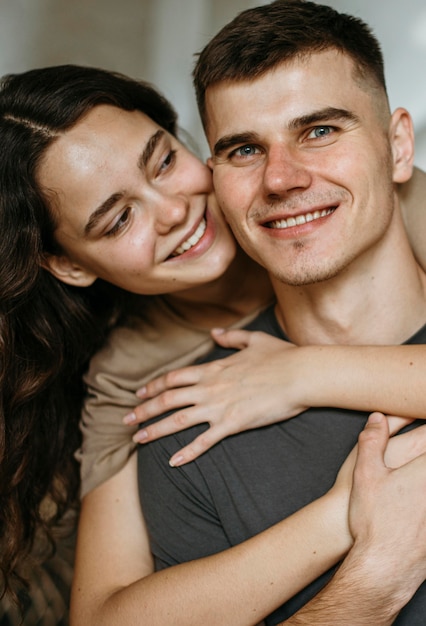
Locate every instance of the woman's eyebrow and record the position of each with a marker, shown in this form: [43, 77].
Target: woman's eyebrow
[149, 149]
[102, 210]
[110, 202]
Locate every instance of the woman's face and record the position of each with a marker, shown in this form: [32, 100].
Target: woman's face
[133, 206]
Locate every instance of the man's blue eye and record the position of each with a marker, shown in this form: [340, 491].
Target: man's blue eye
[246, 150]
[322, 131]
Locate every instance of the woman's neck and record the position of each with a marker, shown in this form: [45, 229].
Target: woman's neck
[242, 289]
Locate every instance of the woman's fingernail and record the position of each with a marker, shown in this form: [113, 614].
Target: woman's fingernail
[130, 418]
[175, 461]
[141, 392]
[218, 331]
[140, 436]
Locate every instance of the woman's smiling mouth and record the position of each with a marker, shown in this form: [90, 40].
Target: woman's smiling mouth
[192, 240]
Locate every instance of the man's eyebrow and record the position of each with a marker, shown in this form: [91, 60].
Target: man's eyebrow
[110, 202]
[322, 115]
[229, 141]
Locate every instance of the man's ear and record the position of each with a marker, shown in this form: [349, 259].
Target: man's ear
[401, 136]
[68, 272]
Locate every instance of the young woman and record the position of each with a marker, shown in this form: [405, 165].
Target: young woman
[101, 207]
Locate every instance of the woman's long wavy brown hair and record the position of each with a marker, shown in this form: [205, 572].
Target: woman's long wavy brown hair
[48, 330]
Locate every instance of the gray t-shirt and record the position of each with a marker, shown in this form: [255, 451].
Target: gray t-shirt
[248, 482]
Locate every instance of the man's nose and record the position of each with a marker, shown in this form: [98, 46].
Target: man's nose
[284, 172]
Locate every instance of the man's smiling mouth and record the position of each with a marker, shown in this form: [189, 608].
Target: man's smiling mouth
[191, 241]
[299, 220]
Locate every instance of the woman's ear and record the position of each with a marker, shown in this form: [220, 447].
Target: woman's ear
[402, 143]
[68, 272]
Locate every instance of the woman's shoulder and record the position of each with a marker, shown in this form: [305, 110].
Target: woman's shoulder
[412, 195]
[147, 340]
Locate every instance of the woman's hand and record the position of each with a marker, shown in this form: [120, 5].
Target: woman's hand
[263, 383]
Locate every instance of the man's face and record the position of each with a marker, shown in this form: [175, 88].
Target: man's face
[304, 164]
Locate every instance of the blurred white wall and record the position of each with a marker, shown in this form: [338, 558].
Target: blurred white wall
[157, 39]
[400, 26]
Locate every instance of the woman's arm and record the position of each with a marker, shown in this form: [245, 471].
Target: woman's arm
[412, 200]
[114, 583]
[113, 580]
[269, 380]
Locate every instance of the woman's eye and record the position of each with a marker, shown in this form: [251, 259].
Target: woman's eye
[169, 160]
[320, 131]
[120, 223]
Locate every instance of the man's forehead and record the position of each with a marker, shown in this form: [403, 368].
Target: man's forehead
[325, 75]
[305, 63]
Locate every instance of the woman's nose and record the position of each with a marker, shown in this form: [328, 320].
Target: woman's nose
[170, 211]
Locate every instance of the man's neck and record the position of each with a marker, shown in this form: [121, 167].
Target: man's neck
[379, 299]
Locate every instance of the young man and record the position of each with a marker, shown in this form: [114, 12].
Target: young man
[306, 159]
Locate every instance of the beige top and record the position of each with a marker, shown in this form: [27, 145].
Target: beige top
[160, 342]
[133, 354]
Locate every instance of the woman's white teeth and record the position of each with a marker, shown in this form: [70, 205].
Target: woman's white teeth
[195, 238]
[300, 219]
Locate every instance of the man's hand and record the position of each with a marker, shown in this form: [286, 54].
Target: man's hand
[387, 518]
[387, 513]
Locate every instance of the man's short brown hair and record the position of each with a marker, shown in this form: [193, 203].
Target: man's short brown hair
[259, 39]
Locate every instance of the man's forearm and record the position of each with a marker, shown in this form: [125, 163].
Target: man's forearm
[357, 595]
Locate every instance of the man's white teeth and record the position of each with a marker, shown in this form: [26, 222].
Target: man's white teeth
[300, 219]
[195, 238]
